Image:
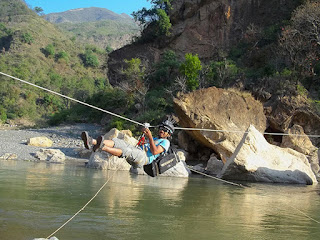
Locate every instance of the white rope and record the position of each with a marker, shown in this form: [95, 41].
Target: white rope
[69, 220]
[218, 179]
[83, 103]
[303, 213]
[243, 132]
[144, 124]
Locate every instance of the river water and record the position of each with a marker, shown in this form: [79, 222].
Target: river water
[37, 198]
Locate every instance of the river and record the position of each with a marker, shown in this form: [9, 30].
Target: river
[37, 198]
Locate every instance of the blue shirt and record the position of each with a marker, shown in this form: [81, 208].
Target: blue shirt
[165, 143]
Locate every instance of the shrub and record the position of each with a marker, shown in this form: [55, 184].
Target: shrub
[3, 115]
[27, 38]
[191, 68]
[165, 71]
[109, 49]
[49, 50]
[90, 60]
[62, 55]
[222, 72]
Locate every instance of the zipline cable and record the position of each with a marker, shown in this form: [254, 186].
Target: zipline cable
[243, 132]
[64, 96]
[144, 124]
[69, 220]
[218, 179]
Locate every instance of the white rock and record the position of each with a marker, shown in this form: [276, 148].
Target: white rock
[51, 155]
[256, 160]
[105, 161]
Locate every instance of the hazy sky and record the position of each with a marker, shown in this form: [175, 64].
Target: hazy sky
[117, 6]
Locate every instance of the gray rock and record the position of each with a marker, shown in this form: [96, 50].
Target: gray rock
[214, 166]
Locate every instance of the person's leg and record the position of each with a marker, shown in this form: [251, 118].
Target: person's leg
[108, 143]
[114, 151]
[107, 146]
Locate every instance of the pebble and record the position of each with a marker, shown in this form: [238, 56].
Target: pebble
[66, 138]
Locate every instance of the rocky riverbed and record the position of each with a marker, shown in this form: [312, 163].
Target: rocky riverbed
[65, 138]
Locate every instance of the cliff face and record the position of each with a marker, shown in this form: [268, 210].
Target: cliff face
[205, 27]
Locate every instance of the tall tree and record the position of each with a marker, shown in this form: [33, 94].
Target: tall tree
[156, 16]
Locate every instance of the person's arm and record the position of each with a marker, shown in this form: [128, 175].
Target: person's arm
[153, 148]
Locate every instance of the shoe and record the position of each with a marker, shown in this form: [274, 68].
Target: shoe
[86, 140]
[99, 144]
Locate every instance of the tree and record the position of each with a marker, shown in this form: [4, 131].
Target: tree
[90, 60]
[157, 16]
[300, 41]
[221, 72]
[39, 10]
[191, 69]
[135, 86]
[166, 68]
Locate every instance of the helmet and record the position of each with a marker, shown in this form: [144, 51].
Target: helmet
[167, 124]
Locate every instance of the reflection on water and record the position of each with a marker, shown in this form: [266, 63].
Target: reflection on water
[37, 198]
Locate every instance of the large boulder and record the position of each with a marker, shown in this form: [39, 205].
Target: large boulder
[284, 112]
[257, 160]
[230, 112]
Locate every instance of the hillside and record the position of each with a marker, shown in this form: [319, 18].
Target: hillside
[37, 51]
[92, 14]
[97, 26]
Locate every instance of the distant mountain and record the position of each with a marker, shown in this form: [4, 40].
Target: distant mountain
[91, 14]
[97, 26]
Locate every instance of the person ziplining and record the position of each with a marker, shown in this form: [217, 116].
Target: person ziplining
[137, 156]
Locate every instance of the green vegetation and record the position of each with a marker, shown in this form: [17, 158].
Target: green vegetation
[62, 56]
[49, 50]
[191, 69]
[90, 60]
[13, 8]
[221, 73]
[155, 19]
[27, 38]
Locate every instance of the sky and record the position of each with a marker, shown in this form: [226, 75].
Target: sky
[117, 6]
